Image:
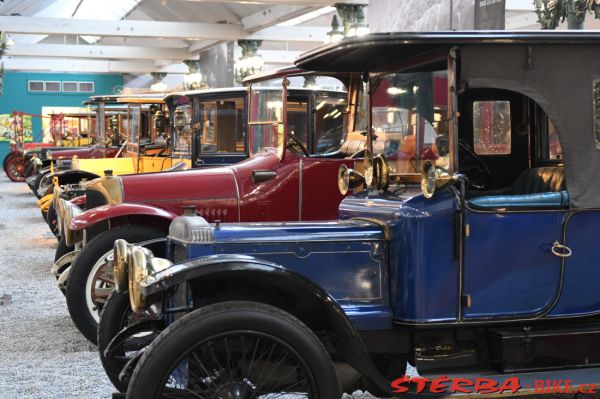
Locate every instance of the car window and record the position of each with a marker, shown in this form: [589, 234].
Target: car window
[297, 119]
[331, 122]
[491, 127]
[222, 125]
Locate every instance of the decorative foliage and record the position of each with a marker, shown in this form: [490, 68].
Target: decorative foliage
[553, 12]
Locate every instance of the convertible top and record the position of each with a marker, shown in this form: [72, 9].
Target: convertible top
[558, 70]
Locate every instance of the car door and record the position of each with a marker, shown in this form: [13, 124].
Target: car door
[509, 269]
[581, 278]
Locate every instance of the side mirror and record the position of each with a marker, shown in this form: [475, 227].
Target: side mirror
[349, 179]
[433, 178]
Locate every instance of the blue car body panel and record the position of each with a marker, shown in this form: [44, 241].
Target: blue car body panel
[424, 269]
[397, 257]
[509, 269]
[348, 259]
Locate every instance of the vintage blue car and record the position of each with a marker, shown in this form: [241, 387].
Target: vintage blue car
[469, 247]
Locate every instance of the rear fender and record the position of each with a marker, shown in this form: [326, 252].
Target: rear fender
[111, 212]
[220, 278]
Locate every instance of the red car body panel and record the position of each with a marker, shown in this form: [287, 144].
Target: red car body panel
[304, 189]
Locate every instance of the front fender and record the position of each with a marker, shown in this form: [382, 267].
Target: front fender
[72, 176]
[106, 212]
[273, 284]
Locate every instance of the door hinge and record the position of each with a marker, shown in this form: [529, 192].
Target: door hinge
[467, 230]
[466, 300]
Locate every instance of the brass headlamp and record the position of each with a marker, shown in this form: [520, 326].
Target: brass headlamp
[142, 264]
[433, 178]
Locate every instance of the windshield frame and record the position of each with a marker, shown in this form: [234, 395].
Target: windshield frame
[281, 124]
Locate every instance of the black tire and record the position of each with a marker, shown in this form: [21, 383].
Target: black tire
[51, 219]
[82, 267]
[112, 320]
[38, 179]
[234, 319]
[6, 158]
[16, 167]
[62, 249]
[117, 315]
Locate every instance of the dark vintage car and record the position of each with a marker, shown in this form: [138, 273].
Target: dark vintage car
[476, 257]
[283, 179]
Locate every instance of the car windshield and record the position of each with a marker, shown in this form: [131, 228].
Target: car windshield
[266, 120]
[331, 124]
[328, 119]
[409, 119]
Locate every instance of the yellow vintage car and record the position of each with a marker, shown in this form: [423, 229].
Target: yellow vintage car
[139, 127]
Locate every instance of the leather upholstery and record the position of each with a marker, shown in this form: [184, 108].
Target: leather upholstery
[541, 200]
[535, 187]
[539, 180]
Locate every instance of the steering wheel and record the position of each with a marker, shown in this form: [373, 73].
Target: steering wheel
[295, 145]
[471, 164]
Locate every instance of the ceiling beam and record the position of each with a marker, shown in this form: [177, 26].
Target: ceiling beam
[272, 16]
[126, 28]
[157, 29]
[316, 3]
[312, 34]
[98, 52]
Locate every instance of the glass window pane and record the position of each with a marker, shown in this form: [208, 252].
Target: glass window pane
[36, 85]
[554, 150]
[331, 122]
[52, 86]
[297, 119]
[86, 87]
[223, 126]
[491, 127]
[69, 87]
[408, 116]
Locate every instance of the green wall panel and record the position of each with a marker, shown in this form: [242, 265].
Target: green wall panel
[16, 97]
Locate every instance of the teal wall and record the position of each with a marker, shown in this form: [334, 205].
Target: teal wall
[16, 97]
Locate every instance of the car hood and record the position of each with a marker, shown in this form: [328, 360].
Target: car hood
[190, 185]
[70, 153]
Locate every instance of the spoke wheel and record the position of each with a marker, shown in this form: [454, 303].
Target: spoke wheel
[99, 285]
[15, 168]
[235, 350]
[90, 281]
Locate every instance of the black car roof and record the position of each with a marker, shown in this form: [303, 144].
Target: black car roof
[369, 52]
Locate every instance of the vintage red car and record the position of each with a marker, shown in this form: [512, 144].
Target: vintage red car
[285, 179]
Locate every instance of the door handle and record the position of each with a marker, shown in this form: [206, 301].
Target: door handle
[562, 251]
[263, 175]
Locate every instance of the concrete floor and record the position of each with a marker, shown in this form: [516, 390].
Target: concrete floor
[42, 355]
